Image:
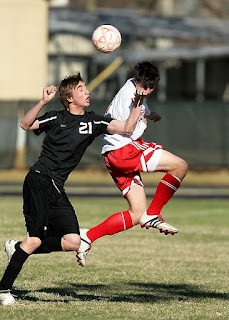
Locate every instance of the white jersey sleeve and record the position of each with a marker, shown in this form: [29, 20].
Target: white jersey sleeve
[119, 109]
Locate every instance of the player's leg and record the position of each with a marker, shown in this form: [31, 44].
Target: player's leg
[63, 222]
[120, 164]
[136, 198]
[62, 231]
[176, 169]
[70, 242]
[37, 195]
[122, 220]
[117, 222]
[63, 227]
[22, 250]
[17, 260]
[172, 164]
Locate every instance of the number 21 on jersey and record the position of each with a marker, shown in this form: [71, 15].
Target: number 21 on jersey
[85, 128]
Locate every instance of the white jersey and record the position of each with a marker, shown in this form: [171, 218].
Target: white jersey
[119, 109]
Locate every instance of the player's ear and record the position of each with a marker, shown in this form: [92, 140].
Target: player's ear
[69, 99]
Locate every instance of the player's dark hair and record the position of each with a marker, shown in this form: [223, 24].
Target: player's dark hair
[66, 86]
[146, 74]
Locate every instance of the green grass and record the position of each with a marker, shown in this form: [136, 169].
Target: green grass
[142, 274]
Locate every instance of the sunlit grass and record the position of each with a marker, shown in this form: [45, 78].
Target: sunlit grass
[137, 274]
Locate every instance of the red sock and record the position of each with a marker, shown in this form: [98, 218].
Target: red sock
[165, 190]
[117, 222]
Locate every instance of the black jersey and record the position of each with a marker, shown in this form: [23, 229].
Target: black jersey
[67, 138]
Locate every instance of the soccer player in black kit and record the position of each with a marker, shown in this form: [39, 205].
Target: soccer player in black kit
[50, 219]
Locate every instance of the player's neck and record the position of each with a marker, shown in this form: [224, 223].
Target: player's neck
[76, 110]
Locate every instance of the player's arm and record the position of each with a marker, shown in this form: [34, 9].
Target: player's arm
[29, 121]
[154, 116]
[128, 126]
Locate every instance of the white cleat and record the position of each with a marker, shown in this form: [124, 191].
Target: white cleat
[6, 298]
[85, 246]
[156, 221]
[10, 248]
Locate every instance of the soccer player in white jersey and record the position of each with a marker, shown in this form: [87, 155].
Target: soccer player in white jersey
[128, 155]
[50, 218]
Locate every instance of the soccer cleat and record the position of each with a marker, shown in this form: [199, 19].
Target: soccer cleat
[157, 222]
[6, 298]
[85, 246]
[10, 248]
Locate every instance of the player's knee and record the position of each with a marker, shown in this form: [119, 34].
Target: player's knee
[184, 166]
[181, 168]
[72, 242]
[30, 244]
[136, 215]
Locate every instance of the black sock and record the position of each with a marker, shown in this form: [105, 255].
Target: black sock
[49, 244]
[14, 267]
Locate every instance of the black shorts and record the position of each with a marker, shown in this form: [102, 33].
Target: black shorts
[46, 207]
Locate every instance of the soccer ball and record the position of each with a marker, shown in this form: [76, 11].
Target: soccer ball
[106, 38]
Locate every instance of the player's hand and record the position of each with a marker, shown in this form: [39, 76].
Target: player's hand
[154, 116]
[49, 93]
[139, 96]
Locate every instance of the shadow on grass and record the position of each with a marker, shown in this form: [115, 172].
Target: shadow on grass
[123, 292]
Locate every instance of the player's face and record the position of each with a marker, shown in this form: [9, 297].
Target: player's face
[141, 90]
[80, 95]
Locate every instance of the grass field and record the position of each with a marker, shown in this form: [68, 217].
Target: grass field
[137, 274]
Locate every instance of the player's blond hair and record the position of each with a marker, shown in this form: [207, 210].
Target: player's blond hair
[66, 86]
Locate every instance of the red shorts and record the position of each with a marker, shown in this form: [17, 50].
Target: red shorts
[126, 163]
